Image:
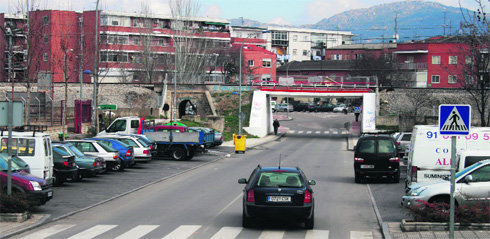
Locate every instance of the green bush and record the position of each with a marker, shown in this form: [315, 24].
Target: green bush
[13, 204]
[439, 212]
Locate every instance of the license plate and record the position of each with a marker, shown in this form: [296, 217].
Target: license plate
[279, 199]
[367, 166]
[50, 194]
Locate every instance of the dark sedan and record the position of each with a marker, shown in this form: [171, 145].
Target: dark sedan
[278, 192]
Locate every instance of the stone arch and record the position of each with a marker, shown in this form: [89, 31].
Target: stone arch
[186, 107]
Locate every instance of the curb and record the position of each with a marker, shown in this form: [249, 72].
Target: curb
[383, 225]
[44, 219]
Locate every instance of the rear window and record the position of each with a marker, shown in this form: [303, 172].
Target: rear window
[406, 137]
[386, 146]
[367, 146]
[129, 142]
[26, 147]
[279, 179]
[106, 147]
[470, 160]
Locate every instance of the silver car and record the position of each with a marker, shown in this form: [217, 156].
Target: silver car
[472, 186]
[95, 148]
[142, 151]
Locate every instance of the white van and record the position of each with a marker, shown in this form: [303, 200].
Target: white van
[466, 158]
[35, 149]
[429, 157]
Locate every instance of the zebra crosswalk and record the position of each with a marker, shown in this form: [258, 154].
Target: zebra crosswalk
[181, 232]
[333, 131]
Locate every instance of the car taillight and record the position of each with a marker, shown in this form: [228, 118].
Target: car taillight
[66, 164]
[398, 143]
[115, 156]
[359, 160]
[94, 164]
[394, 160]
[151, 147]
[251, 196]
[307, 197]
[146, 151]
[414, 173]
[128, 153]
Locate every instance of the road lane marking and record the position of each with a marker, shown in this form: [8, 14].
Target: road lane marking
[93, 232]
[361, 235]
[271, 235]
[227, 233]
[183, 232]
[326, 132]
[48, 231]
[138, 232]
[292, 131]
[317, 234]
[229, 204]
[300, 132]
[317, 132]
[308, 132]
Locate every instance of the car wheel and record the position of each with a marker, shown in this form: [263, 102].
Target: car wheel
[396, 178]
[77, 177]
[246, 221]
[178, 153]
[191, 155]
[117, 166]
[58, 180]
[358, 178]
[310, 222]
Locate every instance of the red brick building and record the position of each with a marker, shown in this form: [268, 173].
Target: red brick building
[258, 64]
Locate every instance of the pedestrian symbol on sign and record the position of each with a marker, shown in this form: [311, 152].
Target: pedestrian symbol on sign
[454, 122]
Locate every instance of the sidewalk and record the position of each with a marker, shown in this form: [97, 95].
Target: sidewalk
[252, 142]
[396, 233]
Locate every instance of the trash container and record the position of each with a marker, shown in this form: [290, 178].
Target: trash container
[239, 141]
[60, 136]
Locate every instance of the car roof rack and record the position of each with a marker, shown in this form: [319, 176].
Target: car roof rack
[25, 128]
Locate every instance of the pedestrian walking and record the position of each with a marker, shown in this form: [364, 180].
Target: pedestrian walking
[276, 126]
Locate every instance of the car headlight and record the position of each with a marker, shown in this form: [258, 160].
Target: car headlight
[36, 186]
[417, 191]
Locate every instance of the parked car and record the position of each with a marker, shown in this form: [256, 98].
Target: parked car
[403, 140]
[126, 152]
[36, 191]
[342, 108]
[218, 138]
[97, 148]
[472, 186]
[325, 107]
[301, 107]
[278, 191]
[140, 148]
[87, 165]
[21, 164]
[284, 107]
[312, 108]
[208, 135]
[64, 168]
[148, 141]
[374, 156]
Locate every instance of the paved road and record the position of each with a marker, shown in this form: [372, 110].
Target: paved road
[206, 203]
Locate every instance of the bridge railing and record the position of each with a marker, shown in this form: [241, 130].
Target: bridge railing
[350, 84]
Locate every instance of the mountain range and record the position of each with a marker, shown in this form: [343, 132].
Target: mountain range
[409, 20]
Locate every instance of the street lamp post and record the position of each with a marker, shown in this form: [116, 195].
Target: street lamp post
[96, 67]
[66, 92]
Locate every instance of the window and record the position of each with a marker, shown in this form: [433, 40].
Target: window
[482, 174]
[295, 38]
[469, 60]
[118, 125]
[305, 52]
[295, 52]
[45, 39]
[45, 56]
[436, 79]
[135, 124]
[410, 59]
[337, 57]
[136, 40]
[266, 63]
[85, 147]
[386, 146]
[274, 179]
[452, 79]
[45, 20]
[436, 60]
[453, 60]
[251, 62]
[305, 38]
[25, 147]
[366, 146]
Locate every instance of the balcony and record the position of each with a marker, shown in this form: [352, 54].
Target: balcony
[413, 66]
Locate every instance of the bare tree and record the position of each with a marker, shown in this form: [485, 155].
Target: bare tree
[68, 73]
[384, 68]
[476, 76]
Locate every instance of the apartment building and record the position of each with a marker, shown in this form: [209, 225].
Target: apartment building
[295, 44]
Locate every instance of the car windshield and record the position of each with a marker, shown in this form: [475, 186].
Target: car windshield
[75, 151]
[106, 147]
[279, 179]
[464, 171]
[4, 163]
[129, 142]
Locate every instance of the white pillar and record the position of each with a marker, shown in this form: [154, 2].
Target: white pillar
[260, 115]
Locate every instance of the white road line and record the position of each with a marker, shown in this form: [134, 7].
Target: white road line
[227, 233]
[317, 234]
[300, 132]
[138, 232]
[361, 235]
[48, 231]
[92, 232]
[229, 204]
[292, 131]
[317, 132]
[271, 235]
[183, 232]
[326, 132]
[308, 132]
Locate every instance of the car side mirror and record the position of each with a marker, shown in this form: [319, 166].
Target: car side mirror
[311, 182]
[468, 179]
[242, 181]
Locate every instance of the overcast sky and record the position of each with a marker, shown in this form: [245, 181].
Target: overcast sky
[290, 12]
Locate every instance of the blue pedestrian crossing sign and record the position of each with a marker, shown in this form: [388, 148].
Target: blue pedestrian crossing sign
[454, 119]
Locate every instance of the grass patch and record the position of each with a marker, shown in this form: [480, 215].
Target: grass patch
[191, 123]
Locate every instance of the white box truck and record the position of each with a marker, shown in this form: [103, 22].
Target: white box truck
[429, 158]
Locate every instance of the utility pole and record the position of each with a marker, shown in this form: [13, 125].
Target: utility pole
[96, 67]
[81, 63]
[240, 93]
